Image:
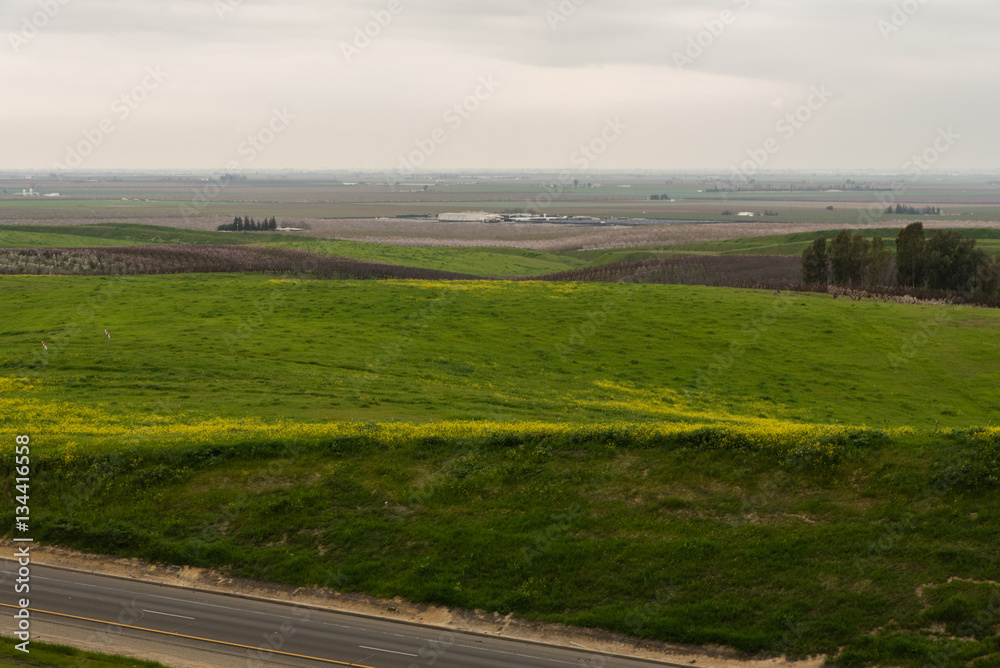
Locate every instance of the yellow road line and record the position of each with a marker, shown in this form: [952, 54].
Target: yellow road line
[181, 635]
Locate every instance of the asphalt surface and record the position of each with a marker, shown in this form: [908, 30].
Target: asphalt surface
[268, 633]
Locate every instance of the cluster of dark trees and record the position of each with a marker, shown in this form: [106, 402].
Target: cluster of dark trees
[656, 197]
[248, 224]
[947, 260]
[902, 209]
[846, 260]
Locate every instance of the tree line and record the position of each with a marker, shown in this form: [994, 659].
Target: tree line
[947, 260]
[902, 209]
[248, 224]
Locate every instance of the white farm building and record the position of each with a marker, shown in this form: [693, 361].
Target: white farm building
[468, 217]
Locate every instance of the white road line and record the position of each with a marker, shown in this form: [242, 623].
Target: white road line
[154, 612]
[376, 649]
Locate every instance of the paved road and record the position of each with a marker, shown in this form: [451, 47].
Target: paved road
[292, 634]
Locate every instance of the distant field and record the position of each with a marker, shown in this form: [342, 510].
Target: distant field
[789, 212]
[111, 234]
[495, 261]
[72, 203]
[197, 202]
[21, 237]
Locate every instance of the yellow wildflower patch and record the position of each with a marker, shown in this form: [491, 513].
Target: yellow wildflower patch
[64, 425]
[16, 384]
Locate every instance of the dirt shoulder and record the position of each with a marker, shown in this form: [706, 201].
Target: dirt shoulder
[479, 622]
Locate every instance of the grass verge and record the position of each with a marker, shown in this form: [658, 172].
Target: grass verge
[865, 546]
[44, 654]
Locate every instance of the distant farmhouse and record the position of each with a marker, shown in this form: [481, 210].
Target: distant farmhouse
[469, 217]
[524, 217]
[30, 192]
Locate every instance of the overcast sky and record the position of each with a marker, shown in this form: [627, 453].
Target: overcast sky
[620, 77]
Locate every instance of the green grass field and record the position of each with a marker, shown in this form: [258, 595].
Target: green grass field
[84, 236]
[331, 350]
[116, 234]
[186, 447]
[774, 473]
[484, 261]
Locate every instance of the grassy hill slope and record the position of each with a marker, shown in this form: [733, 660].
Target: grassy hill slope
[680, 463]
[342, 350]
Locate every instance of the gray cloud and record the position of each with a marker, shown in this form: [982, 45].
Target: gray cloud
[231, 63]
